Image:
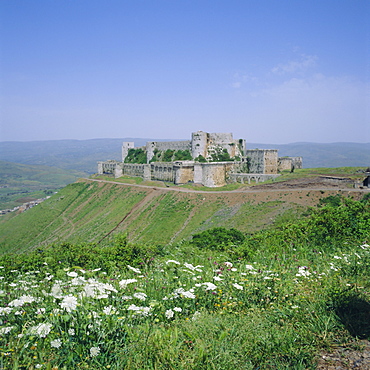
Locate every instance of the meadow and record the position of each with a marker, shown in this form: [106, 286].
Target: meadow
[268, 300]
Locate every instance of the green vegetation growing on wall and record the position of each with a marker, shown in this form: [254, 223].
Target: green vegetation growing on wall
[136, 156]
[171, 155]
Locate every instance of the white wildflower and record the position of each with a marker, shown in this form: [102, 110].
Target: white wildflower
[41, 330]
[178, 309]
[141, 296]
[5, 310]
[237, 286]
[71, 331]
[193, 268]
[123, 283]
[169, 314]
[22, 300]
[217, 278]
[134, 269]
[6, 330]
[94, 351]
[172, 261]
[109, 310]
[72, 274]
[249, 267]
[140, 310]
[210, 286]
[69, 303]
[56, 343]
[228, 264]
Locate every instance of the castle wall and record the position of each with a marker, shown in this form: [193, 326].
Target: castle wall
[271, 161]
[289, 163]
[162, 171]
[262, 161]
[255, 160]
[214, 174]
[184, 173]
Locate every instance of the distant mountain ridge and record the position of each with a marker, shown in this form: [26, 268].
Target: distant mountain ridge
[82, 155]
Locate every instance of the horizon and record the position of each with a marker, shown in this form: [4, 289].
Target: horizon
[274, 72]
[159, 139]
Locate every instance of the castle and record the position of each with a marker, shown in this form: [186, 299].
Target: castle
[209, 159]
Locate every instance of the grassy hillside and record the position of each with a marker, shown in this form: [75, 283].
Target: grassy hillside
[20, 183]
[89, 210]
[292, 297]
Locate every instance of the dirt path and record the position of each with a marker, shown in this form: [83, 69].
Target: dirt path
[292, 185]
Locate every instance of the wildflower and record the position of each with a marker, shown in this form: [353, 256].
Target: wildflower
[5, 310]
[123, 283]
[56, 343]
[228, 264]
[71, 331]
[141, 296]
[210, 286]
[19, 302]
[249, 267]
[126, 297]
[109, 310]
[193, 268]
[72, 274]
[69, 303]
[140, 310]
[196, 315]
[172, 261]
[134, 269]
[41, 330]
[169, 314]
[56, 291]
[217, 278]
[178, 309]
[237, 286]
[6, 330]
[94, 351]
[40, 311]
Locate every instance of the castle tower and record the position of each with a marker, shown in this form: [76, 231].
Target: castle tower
[126, 146]
[199, 141]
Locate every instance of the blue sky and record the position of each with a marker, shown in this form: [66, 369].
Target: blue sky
[268, 71]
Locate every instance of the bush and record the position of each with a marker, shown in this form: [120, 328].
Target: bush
[218, 238]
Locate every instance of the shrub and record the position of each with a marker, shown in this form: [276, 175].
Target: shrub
[218, 238]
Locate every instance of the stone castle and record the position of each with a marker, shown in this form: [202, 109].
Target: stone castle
[209, 159]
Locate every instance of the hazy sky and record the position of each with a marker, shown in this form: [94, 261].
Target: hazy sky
[270, 71]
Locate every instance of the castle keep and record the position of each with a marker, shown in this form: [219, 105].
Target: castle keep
[209, 159]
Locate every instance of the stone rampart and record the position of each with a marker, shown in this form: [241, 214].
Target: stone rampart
[163, 171]
[248, 177]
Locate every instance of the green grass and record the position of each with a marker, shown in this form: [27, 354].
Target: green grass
[186, 308]
[273, 301]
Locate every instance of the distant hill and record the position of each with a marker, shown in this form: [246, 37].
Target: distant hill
[82, 155]
[20, 181]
